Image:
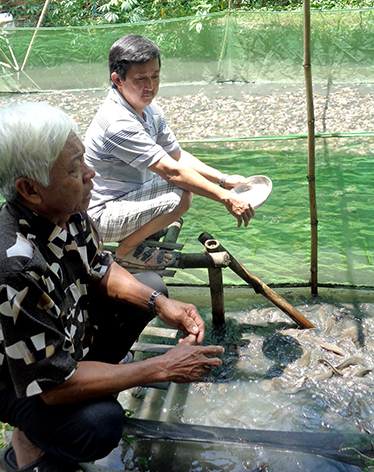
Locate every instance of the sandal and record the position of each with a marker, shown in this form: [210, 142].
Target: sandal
[43, 464]
[140, 255]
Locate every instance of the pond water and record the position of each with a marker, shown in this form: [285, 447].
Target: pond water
[274, 377]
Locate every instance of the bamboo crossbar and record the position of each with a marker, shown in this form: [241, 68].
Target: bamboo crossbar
[259, 286]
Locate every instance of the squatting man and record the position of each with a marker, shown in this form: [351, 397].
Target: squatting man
[144, 179]
[68, 313]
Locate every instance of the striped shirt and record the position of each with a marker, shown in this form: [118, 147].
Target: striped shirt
[121, 145]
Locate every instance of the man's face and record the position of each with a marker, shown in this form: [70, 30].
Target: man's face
[141, 84]
[70, 189]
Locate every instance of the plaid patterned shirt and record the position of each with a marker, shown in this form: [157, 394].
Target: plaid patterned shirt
[47, 323]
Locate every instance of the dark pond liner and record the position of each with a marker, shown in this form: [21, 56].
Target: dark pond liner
[345, 448]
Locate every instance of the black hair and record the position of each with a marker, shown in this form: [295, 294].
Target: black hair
[128, 50]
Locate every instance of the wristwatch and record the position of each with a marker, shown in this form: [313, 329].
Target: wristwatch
[222, 180]
[151, 302]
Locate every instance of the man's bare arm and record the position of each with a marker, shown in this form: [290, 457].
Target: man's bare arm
[187, 178]
[185, 363]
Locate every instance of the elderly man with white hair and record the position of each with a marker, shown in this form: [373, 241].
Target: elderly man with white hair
[68, 313]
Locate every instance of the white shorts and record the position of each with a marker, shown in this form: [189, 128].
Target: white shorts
[123, 216]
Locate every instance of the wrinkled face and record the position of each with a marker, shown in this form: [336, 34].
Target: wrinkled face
[70, 189]
[141, 84]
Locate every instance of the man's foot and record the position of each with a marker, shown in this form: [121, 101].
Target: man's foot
[146, 257]
[25, 456]
[26, 451]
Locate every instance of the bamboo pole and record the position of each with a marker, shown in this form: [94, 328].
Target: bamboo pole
[173, 231]
[311, 149]
[260, 287]
[41, 18]
[224, 39]
[216, 285]
[202, 261]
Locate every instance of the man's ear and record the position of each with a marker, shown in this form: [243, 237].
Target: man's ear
[29, 190]
[116, 79]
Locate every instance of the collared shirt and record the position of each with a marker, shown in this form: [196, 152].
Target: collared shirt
[121, 145]
[47, 323]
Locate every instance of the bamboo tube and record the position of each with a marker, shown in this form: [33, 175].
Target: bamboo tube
[260, 287]
[35, 32]
[216, 286]
[311, 149]
[173, 231]
[202, 261]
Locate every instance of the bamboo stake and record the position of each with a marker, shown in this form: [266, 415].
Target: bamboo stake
[224, 40]
[173, 231]
[260, 287]
[311, 149]
[216, 285]
[35, 32]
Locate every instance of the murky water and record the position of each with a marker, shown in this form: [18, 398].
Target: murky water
[274, 377]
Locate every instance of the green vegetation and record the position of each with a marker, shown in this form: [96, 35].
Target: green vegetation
[93, 12]
[3, 428]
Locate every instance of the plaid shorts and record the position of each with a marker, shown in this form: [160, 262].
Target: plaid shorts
[123, 216]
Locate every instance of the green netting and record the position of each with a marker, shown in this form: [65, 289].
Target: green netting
[234, 95]
[237, 46]
[276, 245]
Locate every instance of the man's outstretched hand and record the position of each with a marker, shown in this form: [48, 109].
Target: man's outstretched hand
[188, 362]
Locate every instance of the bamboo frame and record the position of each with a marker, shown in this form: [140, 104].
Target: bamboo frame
[259, 286]
[311, 150]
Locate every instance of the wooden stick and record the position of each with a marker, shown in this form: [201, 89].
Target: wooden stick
[216, 288]
[173, 231]
[311, 148]
[35, 32]
[202, 261]
[260, 287]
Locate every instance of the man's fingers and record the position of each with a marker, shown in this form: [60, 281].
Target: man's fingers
[190, 339]
[212, 350]
[214, 362]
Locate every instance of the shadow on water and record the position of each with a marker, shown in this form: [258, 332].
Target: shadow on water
[267, 383]
[281, 349]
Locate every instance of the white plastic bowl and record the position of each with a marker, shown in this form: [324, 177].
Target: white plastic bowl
[256, 192]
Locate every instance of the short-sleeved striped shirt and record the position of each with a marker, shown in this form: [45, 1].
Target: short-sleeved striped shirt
[121, 145]
[47, 323]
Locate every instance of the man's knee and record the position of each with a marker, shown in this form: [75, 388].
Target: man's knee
[186, 201]
[153, 280]
[101, 428]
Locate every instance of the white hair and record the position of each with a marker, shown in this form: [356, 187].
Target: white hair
[32, 136]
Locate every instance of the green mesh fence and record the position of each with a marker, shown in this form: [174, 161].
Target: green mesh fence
[237, 46]
[234, 94]
[276, 244]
